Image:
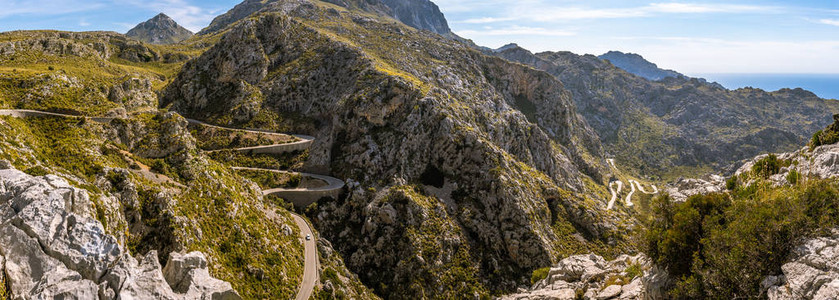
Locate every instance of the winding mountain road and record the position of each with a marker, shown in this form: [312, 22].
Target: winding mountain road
[299, 196]
[310, 255]
[631, 192]
[614, 194]
[641, 188]
[304, 142]
[632, 185]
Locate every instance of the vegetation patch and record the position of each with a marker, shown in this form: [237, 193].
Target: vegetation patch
[721, 246]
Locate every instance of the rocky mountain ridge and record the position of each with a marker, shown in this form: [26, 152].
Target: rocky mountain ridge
[419, 14]
[159, 30]
[636, 64]
[433, 135]
[682, 123]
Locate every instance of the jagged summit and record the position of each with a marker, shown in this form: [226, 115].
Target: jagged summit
[636, 64]
[160, 30]
[507, 47]
[420, 14]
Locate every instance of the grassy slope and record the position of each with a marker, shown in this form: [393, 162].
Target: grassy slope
[220, 206]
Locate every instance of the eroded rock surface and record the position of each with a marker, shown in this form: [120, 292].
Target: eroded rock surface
[686, 187]
[813, 272]
[53, 248]
[592, 277]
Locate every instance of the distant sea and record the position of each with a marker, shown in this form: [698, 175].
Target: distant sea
[823, 85]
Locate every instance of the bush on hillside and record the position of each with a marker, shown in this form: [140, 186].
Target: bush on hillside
[828, 136]
[768, 166]
[721, 246]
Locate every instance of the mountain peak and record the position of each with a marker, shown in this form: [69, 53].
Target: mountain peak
[636, 64]
[507, 47]
[419, 14]
[161, 29]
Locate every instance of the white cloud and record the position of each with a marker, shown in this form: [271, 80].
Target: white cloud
[516, 31]
[711, 55]
[45, 7]
[485, 20]
[833, 22]
[675, 7]
[84, 23]
[543, 12]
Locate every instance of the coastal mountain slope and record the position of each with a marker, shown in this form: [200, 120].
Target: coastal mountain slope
[636, 64]
[159, 30]
[419, 14]
[139, 180]
[466, 171]
[677, 126]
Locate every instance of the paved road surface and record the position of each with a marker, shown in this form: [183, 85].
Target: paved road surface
[310, 257]
[631, 192]
[614, 194]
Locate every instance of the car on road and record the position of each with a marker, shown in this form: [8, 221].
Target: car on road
[308, 237]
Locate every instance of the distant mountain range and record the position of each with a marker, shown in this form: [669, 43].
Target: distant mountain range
[160, 30]
[661, 127]
[636, 64]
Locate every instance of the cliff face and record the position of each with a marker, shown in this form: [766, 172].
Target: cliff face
[465, 169]
[656, 127]
[160, 30]
[52, 247]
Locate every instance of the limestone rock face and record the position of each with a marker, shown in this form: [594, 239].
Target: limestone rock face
[812, 273]
[420, 14]
[53, 248]
[686, 187]
[187, 274]
[822, 162]
[133, 93]
[499, 145]
[592, 277]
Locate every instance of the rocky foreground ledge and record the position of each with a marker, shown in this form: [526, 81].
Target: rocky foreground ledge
[51, 247]
[592, 277]
[813, 272]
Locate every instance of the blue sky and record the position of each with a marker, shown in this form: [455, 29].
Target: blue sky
[693, 37]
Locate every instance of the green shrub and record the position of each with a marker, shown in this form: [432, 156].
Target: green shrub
[731, 183]
[768, 166]
[824, 137]
[36, 171]
[721, 246]
[793, 177]
[539, 274]
[633, 271]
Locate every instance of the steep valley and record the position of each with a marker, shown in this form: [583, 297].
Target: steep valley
[360, 149]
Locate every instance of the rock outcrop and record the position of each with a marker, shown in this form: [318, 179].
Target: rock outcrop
[812, 272]
[822, 162]
[686, 187]
[52, 247]
[592, 277]
[160, 30]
